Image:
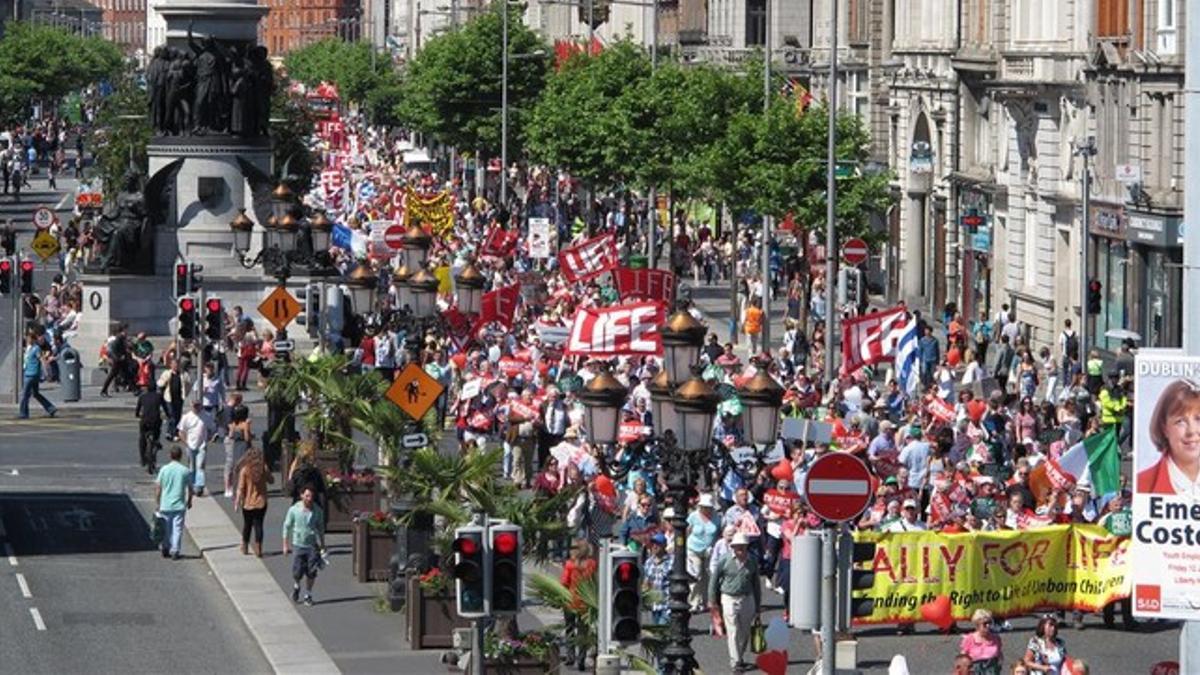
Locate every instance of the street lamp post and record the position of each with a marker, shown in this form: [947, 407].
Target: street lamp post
[684, 406]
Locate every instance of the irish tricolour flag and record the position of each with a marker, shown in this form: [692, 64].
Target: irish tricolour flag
[1097, 457]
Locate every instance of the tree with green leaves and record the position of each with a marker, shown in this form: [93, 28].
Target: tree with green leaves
[44, 62]
[290, 135]
[591, 119]
[349, 65]
[774, 164]
[452, 88]
[121, 133]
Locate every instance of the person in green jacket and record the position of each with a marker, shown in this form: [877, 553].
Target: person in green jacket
[1113, 403]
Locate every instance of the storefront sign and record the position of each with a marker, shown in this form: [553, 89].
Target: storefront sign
[1108, 221]
[981, 241]
[1153, 230]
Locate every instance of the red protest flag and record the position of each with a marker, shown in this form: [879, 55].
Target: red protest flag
[499, 305]
[620, 330]
[872, 338]
[646, 284]
[589, 258]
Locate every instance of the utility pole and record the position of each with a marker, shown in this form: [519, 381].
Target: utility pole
[766, 219]
[652, 197]
[1189, 638]
[828, 598]
[830, 210]
[1087, 151]
[504, 107]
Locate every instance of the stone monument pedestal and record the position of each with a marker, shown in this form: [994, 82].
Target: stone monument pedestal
[210, 189]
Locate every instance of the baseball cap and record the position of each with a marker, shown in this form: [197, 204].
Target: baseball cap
[910, 502]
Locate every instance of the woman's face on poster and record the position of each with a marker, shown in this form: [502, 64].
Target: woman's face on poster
[1182, 431]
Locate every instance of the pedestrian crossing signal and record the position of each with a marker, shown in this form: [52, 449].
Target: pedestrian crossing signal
[26, 276]
[214, 319]
[862, 578]
[626, 619]
[506, 569]
[469, 583]
[187, 318]
[6, 268]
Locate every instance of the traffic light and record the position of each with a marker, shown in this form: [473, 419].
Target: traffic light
[26, 276]
[625, 621]
[214, 319]
[599, 12]
[181, 280]
[862, 578]
[469, 583]
[187, 318]
[310, 318]
[506, 568]
[1093, 297]
[194, 279]
[6, 269]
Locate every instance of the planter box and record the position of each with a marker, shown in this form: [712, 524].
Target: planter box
[432, 619]
[522, 666]
[347, 500]
[371, 553]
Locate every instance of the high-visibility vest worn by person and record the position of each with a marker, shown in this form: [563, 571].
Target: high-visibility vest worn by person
[1112, 408]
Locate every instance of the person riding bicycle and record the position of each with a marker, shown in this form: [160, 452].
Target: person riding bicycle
[150, 408]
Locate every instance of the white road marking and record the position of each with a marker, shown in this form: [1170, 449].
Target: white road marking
[24, 585]
[37, 618]
[12, 555]
[62, 203]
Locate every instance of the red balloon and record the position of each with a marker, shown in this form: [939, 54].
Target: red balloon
[460, 360]
[604, 486]
[782, 470]
[774, 662]
[937, 612]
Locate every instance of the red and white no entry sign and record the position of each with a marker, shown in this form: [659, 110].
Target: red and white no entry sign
[838, 486]
[394, 237]
[855, 251]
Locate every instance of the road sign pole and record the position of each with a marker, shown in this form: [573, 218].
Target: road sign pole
[828, 600]
[18, 338]
[199, 337]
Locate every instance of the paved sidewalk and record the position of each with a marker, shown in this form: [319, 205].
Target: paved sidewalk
[285, 639]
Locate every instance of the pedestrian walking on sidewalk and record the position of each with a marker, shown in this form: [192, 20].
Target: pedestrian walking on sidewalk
[735, 589]
[195, 429]
[32, 377]
[304, 538]
[251, 497]
[174, 497]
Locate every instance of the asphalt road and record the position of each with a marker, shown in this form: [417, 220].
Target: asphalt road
[88, 592]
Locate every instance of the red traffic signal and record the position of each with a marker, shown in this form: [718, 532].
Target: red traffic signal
[5, 276]
[466, 546]
[213, 306]
[626, 572]
[26, 276]
[187, 305]
[505, 543]
[6, 266]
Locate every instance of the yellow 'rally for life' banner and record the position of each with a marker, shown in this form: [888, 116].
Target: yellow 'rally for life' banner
[1009, 572]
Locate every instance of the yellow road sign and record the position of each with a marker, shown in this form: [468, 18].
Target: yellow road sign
[280, 308]
[45, 245]
[414, 391]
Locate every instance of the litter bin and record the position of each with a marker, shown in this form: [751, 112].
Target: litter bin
[68, 359]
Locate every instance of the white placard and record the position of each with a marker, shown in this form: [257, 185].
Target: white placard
[541, 242]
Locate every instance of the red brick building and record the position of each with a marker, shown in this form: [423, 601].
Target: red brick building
[292, 24]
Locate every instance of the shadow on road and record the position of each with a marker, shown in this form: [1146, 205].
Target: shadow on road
[64, 523]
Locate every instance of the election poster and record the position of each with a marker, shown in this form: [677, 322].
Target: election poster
[541, 240]
[1008, 572]
[1166, 486]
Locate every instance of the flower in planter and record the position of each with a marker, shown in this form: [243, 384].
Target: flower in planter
[378, 520]
[435, 581]
[533, 645]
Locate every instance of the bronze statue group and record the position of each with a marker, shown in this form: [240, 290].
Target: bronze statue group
[212, 88]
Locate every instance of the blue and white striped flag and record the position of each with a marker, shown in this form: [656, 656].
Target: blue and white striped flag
[907, 356]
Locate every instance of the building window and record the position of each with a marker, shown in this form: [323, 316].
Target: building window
[756, 23]
[1112, 18]
[1165, 44]
[1030, 253]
